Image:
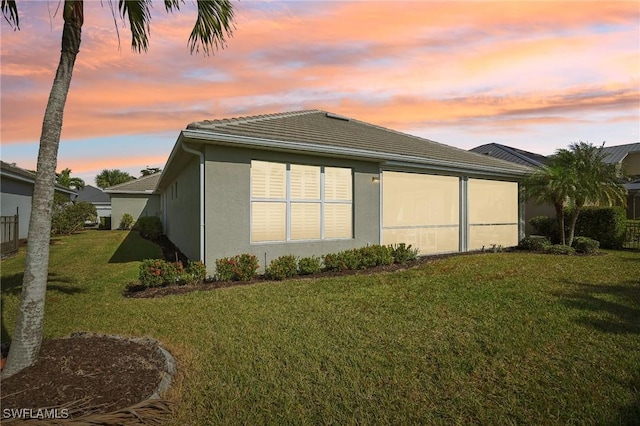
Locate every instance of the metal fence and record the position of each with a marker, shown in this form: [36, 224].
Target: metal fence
[9, 234]
[632, 239]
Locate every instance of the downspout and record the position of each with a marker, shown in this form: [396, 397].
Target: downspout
[202, 219]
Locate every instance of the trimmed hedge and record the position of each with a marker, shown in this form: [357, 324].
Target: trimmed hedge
[608, 225]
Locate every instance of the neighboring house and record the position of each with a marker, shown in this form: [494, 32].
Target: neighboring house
[16, 187]
[526, 158]
[135, 197]
[312, 182]
[98, 198]
[627, 159]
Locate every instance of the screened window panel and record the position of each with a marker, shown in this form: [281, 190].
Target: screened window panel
[337, 184]
[337, 221]
[492, 202]
[488, 235]
[268, 180]
[304, 182]
[411, 199]
[305, 221]
[427, 240]
[268, 221]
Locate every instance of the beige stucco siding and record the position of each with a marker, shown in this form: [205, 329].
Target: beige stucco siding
[137, 205]
[228, 207]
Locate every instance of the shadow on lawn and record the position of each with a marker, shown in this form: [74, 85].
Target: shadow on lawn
[620, 305]
[129, 250]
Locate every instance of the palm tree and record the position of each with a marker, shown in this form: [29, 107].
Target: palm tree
[596, 182]
[214, 21]
[64, 178]
[552, 184]
[111, 177]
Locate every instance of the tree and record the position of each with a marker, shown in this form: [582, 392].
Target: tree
[594, 181]
[111, 177]
[64, 178]
[150, 171]
[213, 23]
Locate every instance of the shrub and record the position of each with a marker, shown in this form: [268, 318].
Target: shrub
[241, 267]
[559, 249]
[309, 265]
[546, 226]
[403, 253]
[157, 272]
[604, 224]
[282, 267]
[68, 218]
[126, 222]
[585, 245]
[341, 261]
[375, 255]
[195, 272]
[149, 227]
[534, 243]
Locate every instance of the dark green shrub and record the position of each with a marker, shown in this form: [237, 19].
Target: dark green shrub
[241, 267]
[604, 224]
[375, 255]
[403, 253]
[559, 249]
[585, 245]
[157, 272]
[149, 227]
[534, 243]
[68, 218]
[309, 265]
[546, 226]
[194, 273]
[126, 222]
[344, 260]
[282, 267]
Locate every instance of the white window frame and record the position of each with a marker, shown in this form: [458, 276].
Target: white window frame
[322, 201]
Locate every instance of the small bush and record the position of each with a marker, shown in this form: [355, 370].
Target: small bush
[534, 243]
[67, 218]
[341, 261]
[375, 255]
[585, 245]
[149, 227]
[309, 265]
[126, 222]
[403, 253]
[282, 267]
[241, 267]
[546, 226]
[194, 273]
[157, 272]
[559, 249]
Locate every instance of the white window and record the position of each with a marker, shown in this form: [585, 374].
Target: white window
[292, 202]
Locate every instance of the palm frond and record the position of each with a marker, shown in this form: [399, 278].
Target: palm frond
[139, 15]
[10, 13]
[214, 23]
[171, 5]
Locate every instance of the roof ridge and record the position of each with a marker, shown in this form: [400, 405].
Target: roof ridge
[135, 179]
[209, 124]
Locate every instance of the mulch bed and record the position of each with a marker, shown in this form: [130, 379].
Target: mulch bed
[84, 376]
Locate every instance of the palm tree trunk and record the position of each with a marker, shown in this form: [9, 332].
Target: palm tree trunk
[573, 219]
[27, 336]
[560, 219]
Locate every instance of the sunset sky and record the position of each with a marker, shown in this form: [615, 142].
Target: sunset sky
[536, 75]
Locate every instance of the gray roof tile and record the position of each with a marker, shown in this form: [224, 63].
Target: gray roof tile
[143, 185]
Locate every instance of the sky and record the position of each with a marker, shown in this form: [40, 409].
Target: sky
[535, 75]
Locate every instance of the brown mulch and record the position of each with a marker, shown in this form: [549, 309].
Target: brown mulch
[88, 376]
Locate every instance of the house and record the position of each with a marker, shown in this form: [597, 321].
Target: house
[16, 190]
[98, 198]
[312, 182]
[136, 197]
[627, 159]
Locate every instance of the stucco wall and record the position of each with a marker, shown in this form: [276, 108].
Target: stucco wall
[16, 196]
[181, 201]
[228, 206]
[137, 205]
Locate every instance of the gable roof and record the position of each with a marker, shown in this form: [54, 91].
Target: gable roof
[12, 171]
[513, 155]
[321, 132]
[616, 154]
[143, 185]
[91, 194]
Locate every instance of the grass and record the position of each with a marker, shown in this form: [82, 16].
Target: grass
[500, 338]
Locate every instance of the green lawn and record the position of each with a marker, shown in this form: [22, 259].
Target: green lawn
[500, 338]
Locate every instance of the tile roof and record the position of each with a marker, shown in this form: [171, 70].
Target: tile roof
[616, 154]
[327, 130]
[143, 185]
[92, 194]
[10, 170]
[513, 155]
